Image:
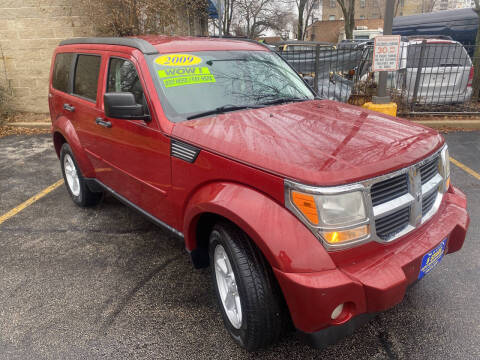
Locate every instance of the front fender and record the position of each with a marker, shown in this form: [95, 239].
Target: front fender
[65, 127]
[285, 242]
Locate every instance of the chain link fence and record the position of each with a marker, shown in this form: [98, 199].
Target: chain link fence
[435, 76]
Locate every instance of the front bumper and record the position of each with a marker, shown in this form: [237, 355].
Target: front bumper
[374, 281]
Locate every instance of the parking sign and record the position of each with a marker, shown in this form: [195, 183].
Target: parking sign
[386, 53]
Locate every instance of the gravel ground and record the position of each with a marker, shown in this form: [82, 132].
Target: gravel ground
[105, 283]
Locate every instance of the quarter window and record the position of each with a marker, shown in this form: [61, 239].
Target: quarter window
[61, 71]
[123, 77]
[86, 76]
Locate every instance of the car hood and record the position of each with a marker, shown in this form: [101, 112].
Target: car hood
[318, 142]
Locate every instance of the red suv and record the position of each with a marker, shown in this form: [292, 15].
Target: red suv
[305, 209]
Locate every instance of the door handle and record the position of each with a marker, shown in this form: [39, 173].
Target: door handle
[69, 107]
[101, 121]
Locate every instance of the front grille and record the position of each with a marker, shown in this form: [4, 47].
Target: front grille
[428, 201]
[389, 189]
[429, 170]
[410, 193]
[390, 225]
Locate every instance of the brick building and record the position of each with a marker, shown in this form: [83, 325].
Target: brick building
[364, 9]
[29, 32]
[329, 31]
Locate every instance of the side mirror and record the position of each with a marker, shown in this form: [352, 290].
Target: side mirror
[122, 105]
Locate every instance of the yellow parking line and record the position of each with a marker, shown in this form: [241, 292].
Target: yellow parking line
[30, 201]
[465, 168]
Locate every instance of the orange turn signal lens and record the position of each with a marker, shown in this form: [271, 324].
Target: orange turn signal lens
[306, 204]
[337, 237]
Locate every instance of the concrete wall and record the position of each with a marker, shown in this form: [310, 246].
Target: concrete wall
[29, 32]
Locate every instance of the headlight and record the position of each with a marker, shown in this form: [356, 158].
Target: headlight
[336, 215]
[445, 167]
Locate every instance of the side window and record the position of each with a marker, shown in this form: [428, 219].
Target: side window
[86, 76]
[123, 77]
[61, 71]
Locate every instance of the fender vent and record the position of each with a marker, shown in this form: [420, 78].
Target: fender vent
[183, 151]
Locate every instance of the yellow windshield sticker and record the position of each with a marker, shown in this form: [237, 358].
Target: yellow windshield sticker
[183, 71]
[178, 60]
[186, 76]
[188, 80]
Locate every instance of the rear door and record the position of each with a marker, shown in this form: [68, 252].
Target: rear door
[83, 103]
[60, 85]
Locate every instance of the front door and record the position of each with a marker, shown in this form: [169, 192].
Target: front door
[135, 154]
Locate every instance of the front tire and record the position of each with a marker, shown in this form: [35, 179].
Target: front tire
[74, 181]
[249, 297]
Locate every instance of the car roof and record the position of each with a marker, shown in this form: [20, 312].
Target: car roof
[152, 44]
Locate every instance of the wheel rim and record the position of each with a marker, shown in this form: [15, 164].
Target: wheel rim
[227, 287]
[71, 174]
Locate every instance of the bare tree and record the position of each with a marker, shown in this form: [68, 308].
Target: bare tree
[229, 10]
[348, 10]
[256, 16]
[305, 9]
[134, 17]
[476, 58]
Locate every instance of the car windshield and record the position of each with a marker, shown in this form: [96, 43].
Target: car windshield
[193, 83]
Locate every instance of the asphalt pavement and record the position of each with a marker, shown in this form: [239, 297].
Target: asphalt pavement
[106, 283]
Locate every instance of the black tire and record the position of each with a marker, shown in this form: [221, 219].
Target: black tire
[85, 197]
[264, 313]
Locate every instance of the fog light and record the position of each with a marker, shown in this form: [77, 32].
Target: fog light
[337, 311]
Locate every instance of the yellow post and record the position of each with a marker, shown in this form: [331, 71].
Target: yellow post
[389, 109]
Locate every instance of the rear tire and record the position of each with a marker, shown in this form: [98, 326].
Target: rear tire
[74, 181]
[234, 259]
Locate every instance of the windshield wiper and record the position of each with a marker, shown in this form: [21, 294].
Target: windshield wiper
[223, 109]
[284, 100]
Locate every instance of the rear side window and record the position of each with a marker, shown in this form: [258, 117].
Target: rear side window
[61, 71]
[438, 55]
[86, 76]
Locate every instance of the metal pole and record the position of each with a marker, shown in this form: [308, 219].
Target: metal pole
[317, 60]
[382, 97]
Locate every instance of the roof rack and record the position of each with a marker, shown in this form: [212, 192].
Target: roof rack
[140, 44]
[426, 37]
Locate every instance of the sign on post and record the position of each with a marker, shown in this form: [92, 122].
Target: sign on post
[386, 53]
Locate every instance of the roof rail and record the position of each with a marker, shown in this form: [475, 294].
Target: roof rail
[140, 44]
[426, 37]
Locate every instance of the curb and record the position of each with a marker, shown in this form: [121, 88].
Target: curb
[456, 124]
[31, 125]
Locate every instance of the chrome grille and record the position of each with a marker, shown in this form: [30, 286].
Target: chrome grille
[428, 201]
[403, 200]
[429, 170]
[389, 189]
[390, 225]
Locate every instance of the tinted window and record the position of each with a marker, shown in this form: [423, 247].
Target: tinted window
[86, 76]
[438, 55]
[123, 77]
[61, 71]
